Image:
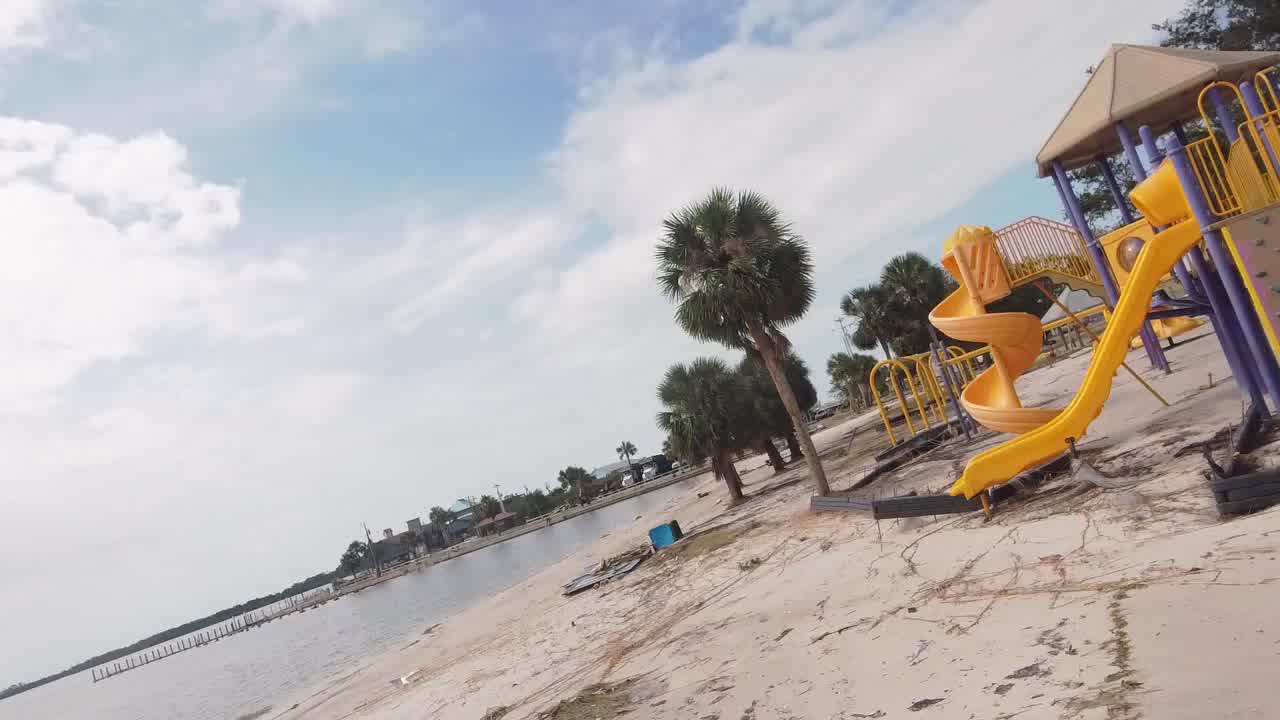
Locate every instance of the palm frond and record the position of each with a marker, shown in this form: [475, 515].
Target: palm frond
[730, 263]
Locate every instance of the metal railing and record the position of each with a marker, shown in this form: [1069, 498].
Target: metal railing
[1037, 246]
[1244, 176]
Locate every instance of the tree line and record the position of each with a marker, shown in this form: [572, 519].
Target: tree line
[892, 316]
[173, 633]
[574, 485]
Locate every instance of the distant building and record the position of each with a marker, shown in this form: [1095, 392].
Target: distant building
[389, 551]
[498, 523]
[605, 471]
[464, 519]
[642, 468]
[387, 534]
[414, 525]
[462, 508]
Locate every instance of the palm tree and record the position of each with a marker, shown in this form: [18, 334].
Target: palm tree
[851, 371]
[915, 285]
[625, 450]
[487, 506]
[739, 274]
[774, 415]
[705, 406]
[768, 418]
[577, 479]
[440, 519]
[807, 395]
[871, 305]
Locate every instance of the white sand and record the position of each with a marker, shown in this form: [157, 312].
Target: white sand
[1121, 604]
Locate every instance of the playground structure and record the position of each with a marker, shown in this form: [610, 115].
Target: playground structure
[1032, 250]
[1218, 194]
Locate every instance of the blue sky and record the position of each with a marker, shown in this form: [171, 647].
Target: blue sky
[265, 255]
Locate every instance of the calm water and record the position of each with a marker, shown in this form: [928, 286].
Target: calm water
[251, 670]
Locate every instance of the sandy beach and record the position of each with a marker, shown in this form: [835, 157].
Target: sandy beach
[1118, 604]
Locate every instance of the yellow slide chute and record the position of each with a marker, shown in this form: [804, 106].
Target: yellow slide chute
[1015, 338]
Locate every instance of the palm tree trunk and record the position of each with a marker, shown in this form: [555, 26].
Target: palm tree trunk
[793, 445]
[772, 356]
[722, 466]
[888, 354]
[775, 457]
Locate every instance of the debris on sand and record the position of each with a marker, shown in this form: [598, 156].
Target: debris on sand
[602, 700]
[1030, 671]
[921, 704]
[609, 569]
[495, 713]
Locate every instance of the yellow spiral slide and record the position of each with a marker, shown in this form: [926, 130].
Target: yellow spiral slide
[1015, 338]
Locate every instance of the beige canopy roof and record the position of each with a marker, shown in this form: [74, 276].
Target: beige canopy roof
[1141, 85]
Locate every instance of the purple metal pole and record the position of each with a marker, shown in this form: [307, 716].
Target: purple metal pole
[1122, 203]
[1149, 144]
[1259, 351]
[1149, 340]
[1099, 256]
[1076, 215]
[1155, 157]
[1254, 105]
[1224, 116]
[1130, 151]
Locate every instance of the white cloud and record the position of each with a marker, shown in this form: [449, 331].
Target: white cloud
[857, 138]
[379, 28]
[461, 259]
[107, 244]
[305, 12]
[26, 24]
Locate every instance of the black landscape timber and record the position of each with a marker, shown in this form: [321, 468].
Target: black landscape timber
[820, 503]
[922, 505]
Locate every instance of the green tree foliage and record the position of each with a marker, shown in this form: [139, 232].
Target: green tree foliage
[576, 480]
[487, 506]
[767, 417]
[739, 274]
[1224, 25]
[352, 558]
[849, 374]
[529, 504]
[439, 517]
[705, 409]
[915, 285]
[870, 305]
[894, 312]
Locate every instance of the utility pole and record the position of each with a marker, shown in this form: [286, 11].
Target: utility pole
[844, 334]
[377, 564]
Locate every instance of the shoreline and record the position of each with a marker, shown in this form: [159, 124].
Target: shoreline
[534, 525]
[1069, 602]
